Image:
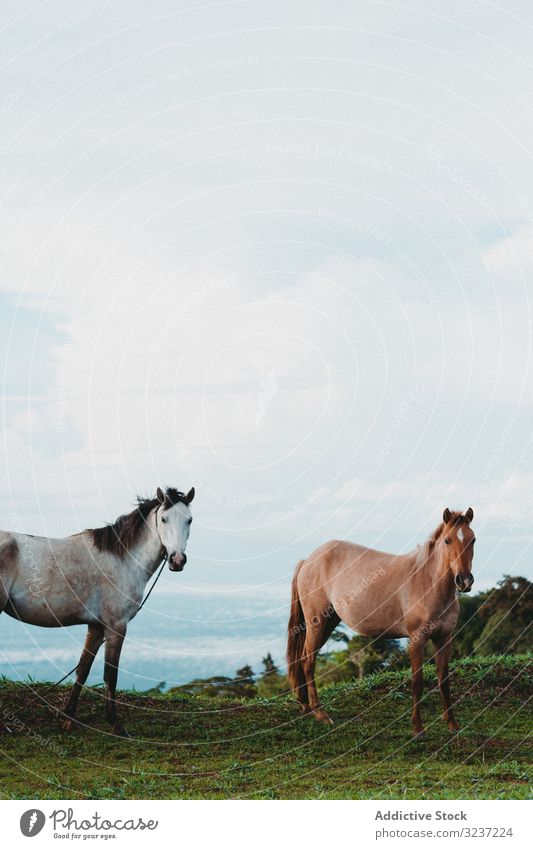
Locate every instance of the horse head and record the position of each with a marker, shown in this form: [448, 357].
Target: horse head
[173, 523]
[458, 547]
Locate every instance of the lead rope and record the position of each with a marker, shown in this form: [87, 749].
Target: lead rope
[40, 698]
[147, 596]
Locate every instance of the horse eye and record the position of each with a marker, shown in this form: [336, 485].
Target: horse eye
[164, 520]
[447, 540]
[189, 521]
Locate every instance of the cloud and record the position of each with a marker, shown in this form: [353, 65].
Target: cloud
[269, 271]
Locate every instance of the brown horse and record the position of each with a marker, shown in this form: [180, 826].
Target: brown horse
[408, 595]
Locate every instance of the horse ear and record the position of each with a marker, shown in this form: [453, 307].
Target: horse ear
[469, 515]
[160, 495]
[190, 495]
[446, 516]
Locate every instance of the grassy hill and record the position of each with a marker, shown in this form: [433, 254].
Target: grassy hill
[198, 747]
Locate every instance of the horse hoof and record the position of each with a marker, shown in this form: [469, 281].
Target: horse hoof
[303, 708]
[454, 727]
[419, 736]
[322, 716]
[120, 731]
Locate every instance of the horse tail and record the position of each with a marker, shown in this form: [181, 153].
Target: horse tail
[296, 641]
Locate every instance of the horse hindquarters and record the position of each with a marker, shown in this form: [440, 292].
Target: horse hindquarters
[9, 556]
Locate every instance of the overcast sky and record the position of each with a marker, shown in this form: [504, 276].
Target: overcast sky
[282, 251]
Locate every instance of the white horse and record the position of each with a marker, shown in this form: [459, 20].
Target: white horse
[96, 578]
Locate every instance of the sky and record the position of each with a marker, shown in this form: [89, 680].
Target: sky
[278, 251]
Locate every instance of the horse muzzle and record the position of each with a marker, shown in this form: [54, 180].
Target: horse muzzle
[464, 582]
[177, 561]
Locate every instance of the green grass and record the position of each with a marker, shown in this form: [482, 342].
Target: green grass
[219, 748]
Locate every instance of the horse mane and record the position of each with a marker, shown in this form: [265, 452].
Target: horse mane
[120, 535]
[425, 550]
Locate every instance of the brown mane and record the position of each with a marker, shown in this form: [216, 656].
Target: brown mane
[119, 536]
[424, 551]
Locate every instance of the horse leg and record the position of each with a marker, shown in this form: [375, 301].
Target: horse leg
[442, 658]
[416, 652]
[93, 641]
[318, 633]
[113, 646]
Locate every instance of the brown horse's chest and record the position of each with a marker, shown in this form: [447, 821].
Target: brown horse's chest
[448, 618]
[436, 618]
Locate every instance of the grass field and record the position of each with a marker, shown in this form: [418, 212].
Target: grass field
[215, 748]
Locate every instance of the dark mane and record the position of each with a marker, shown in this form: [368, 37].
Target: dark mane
[118, 537]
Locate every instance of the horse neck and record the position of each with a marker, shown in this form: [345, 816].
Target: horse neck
[146, 551]
[439, 575]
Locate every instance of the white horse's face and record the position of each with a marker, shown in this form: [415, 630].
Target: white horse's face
[174, 526]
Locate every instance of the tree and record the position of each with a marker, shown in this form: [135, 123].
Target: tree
[241, 687]
[271, 682]
[369, 654]
[360, 656]
[245, 681]
[469, 626]
[507, 615]
[270, 666]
